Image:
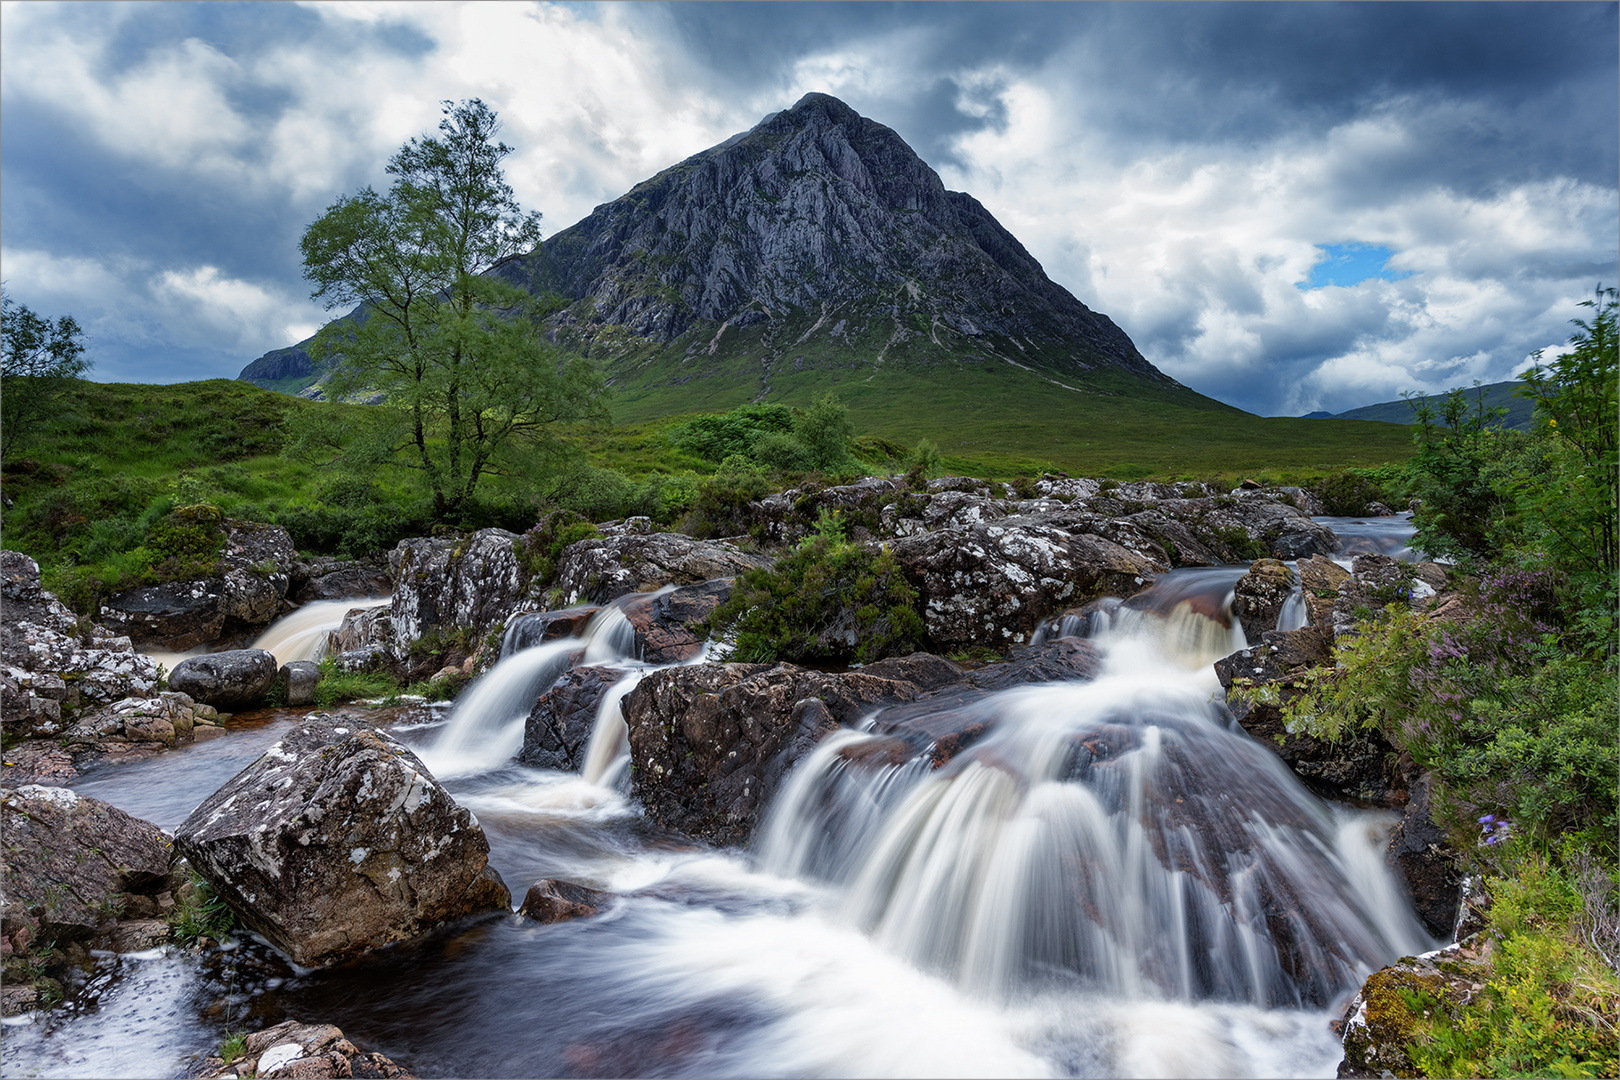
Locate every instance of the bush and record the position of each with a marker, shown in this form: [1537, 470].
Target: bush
[720, 435]
[539, 549]
[826, 600]
[782, 452]
[1347, 493]
[826, 432]
[924, 462]
[721, 503]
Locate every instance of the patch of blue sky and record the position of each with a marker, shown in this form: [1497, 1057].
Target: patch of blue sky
[1351, 264]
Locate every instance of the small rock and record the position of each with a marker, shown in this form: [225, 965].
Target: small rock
[301, 678]
[551, 901]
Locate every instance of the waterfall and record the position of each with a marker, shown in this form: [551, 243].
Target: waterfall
[1294, 613]
[608, 750]
[303, 634]
[1114, 835]
[485, 727]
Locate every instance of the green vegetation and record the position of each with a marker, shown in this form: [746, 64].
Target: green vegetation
[468, 386]
[200, 913]
[828, 600]
[38, 358]
[1512, 709]
[337, 686]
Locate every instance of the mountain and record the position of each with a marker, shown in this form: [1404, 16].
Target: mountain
[817, 252]
[1520, 411]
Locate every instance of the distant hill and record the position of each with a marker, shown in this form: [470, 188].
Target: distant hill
[1496, 395]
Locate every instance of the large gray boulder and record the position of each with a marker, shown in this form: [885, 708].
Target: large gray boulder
[442, 583]
[226, 679]
[992, 585]
[1259, 596]
[604, 568]
[338, 840]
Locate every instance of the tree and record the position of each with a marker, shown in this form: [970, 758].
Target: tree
[452, 353]
[37, 358]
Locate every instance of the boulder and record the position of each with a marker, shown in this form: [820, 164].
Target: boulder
[300, 678]
[1320, 577]
[671, 626]
[601, 569]
[83, 870]
[538, 627]
[294, 1051]
[258, 561]
[338, 840]
[470, 583]
[1259, 596]
[551, 901]
[363, 628]
[994, 584]
[226, 679]
[710, 744]
[164, 720]
[559, 726]
[1360, 767]
[334, 579]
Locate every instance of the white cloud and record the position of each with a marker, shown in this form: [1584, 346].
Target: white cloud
[1195, 251]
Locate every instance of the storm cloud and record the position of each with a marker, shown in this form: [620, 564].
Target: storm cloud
[1182, 167]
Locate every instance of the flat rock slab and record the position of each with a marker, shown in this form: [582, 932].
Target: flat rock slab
[338, 840]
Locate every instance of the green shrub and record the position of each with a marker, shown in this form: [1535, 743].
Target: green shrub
[782, 452]
[1347, 493]
[826, 600]
[720, 435]
[337, 686]
[200, 913]
[720, 506]
[827, 433]
[924, 462]
[539, 548]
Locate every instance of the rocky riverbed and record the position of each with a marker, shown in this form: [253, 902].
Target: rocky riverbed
[648, 810]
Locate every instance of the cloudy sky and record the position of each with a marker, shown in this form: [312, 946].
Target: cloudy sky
[1287, 206]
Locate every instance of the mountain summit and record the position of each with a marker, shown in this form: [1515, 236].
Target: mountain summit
[814, 252]
[817, 208]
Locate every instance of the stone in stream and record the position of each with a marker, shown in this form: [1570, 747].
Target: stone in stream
[300, 677]
[78, 873]
[1259, 596]
[551, 901]
[224, 679]
[297, 1051]
[338, 840]
[559, 726]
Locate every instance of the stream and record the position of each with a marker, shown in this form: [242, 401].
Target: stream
[1116, 881]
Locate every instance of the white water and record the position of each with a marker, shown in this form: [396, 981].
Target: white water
[1108, 883]
[485, 728]
[303, 634]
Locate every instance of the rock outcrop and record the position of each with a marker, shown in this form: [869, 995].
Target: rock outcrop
[1259, 596]
[78, 874]
[338, 840]
[470, 583]
[1379, 1022]
[601, 569]
[255, 570]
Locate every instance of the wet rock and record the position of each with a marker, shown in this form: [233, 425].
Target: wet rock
[300, 678]
[993, 584]
[551, 901]
[226, 679]
[710, 744]
[1259, 596]
[671, 627]
[1379, 1022]
[79, 870]
[1240, 526]
[444, 583]
[558, 729]
[336, 580]
[604, 568]
[298, 1051]
[338, 840]
[1360, 767]
[1320, 578]
[177, 615]
[1061, 660]
[363, 628]
[538, 627]
[1421, 853]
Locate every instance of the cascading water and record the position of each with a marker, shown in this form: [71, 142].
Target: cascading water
[303, 634]
[1294, 613]
[1113, 835]
[485, 729]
